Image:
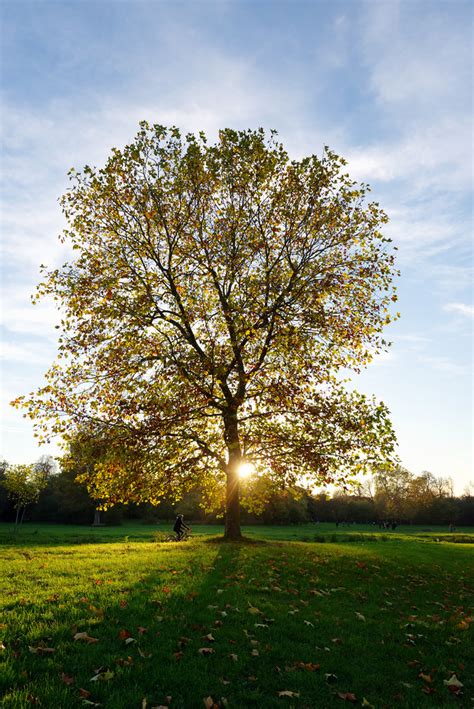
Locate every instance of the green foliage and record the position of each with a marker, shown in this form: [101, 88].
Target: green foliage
[24, 484]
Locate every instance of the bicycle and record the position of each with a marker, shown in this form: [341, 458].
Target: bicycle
[173, 537]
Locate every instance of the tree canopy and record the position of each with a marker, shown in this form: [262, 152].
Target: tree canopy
[217, 293]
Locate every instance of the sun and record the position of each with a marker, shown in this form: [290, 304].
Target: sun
[246, 469]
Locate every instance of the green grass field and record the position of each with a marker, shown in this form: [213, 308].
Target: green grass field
[307, 616]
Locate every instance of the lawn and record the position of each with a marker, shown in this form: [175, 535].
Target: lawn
[308, 616]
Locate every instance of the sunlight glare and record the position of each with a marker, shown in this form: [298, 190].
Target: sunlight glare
[246, 469]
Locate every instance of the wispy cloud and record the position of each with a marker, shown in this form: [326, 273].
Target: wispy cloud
[460, 309]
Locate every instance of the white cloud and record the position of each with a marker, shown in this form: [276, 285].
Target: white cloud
[461, 309]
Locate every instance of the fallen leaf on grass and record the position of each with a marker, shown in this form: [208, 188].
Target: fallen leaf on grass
[308, 666]
[308, 622]
[210, 638]
[2, 647]
[454, 685]
[144, 654]
[366, 703]
[288, 693]
[67, 679]
[234, 657]
[86, 638]
[453, 682]
[359, 616]
[428, 690]
[347, 696]
[41, 650]
[130, 640]
[124, 634]
[253, 610]
[255, 652]
[178, 655]
[102, 676]
[124, 662]
[206, 651]
[425, 678]
[141, 630]
[330, 678]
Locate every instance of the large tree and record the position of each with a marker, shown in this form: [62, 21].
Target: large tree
[218, 291]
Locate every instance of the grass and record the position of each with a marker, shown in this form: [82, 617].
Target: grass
[386, 617]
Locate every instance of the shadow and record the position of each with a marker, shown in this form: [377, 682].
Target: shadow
[144, 630]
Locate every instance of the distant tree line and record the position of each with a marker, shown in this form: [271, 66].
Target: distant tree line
[44, 493]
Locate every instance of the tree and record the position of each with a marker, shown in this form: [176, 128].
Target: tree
[24, 484]
[217, 291]
[392, 492]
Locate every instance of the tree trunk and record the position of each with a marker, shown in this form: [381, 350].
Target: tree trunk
[232, 518]
[23, 514]
[17, 515]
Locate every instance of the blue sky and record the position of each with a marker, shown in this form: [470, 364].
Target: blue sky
[385, 84]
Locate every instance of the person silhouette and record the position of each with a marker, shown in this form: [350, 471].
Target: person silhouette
[179, 527]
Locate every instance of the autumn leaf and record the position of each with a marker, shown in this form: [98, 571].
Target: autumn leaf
[347, 696]
[67, 679]
[359, 616]
[86, 638]
[366, 703]
[205, 651]
[124, 662]
[210, 638]
[454, 685]
[453, 682]
[41, 650]
[234, 657]
[102, 676]
[288, 693]
[425, 678]
[253, 610]
[124, 634]
[308, 666]
[84, 693]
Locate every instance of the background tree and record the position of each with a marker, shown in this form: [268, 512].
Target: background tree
[23, 484]
[217, 291]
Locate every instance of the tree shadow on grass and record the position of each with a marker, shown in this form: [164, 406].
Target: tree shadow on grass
[144, 635]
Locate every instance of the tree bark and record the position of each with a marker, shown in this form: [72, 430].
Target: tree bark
[232, 518]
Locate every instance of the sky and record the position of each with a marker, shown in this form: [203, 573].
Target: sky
[386, 84]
